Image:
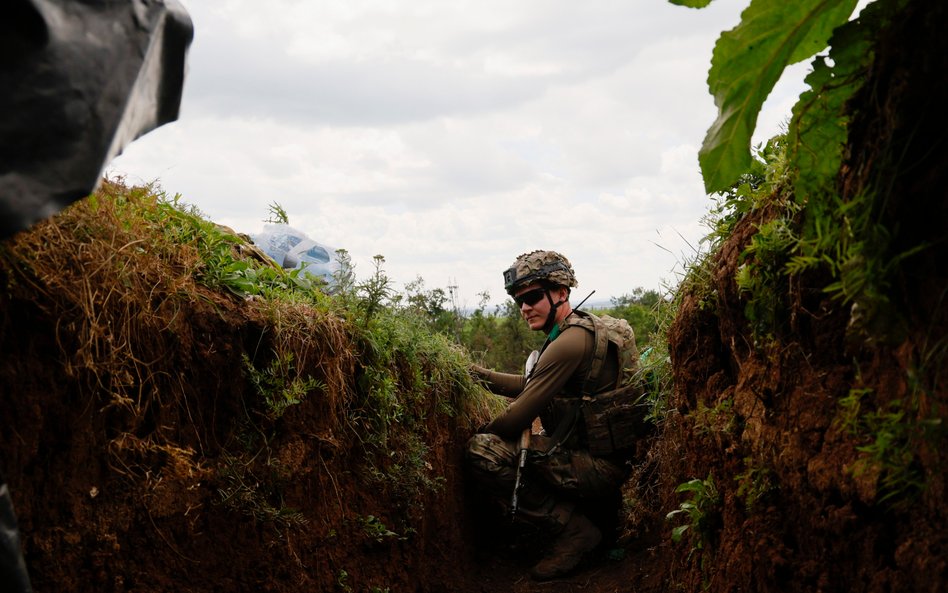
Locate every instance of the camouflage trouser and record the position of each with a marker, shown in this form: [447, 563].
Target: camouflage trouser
[551, 485]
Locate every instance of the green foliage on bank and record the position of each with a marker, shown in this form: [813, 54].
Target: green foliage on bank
[412, 348]
[747, 62]
[369, 361]
[816, 230]
[813, 243]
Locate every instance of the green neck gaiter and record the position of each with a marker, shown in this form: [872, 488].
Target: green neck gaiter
[553, 333]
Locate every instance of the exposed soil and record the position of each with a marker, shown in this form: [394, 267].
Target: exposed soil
[122, 413]
[141, 459]
[801, 509]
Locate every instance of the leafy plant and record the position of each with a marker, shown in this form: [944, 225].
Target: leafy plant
[746, 64]
[845, 237]
[279, 383]
[344, 278]
[849, 417]
[277, 215]
[251, 494]
[374, 291]
[224, 259]
[342, 581]
[761, 276]
[891, 449]
[702, 513]
[890, 436]
[244, 278]
[375, 529]
[754, 484]
[766, 175]
[432, 307]
[655, 374]
[719, 418]
[408, 376]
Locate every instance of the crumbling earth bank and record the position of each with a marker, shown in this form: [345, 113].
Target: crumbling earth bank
[140, 457]
[800, 507]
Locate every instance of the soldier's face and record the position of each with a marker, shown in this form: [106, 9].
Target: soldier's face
[534, 304]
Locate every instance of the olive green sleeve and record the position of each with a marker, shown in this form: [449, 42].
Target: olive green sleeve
[559, 361]
[507, 384]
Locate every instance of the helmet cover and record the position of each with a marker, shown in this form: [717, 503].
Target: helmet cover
[539, 266]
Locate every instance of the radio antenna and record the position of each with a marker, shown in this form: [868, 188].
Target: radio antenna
[584, 300]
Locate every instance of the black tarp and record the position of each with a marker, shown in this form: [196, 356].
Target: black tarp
[13, 575]
[79, 80]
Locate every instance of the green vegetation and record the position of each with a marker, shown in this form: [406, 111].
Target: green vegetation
[246, 492]
[747, 62]
[812, 228]
[375, 529]
[806, 243]
[498, 338]
[276, 386]
[342, 579]
[755, 484]
[380, 378]
[719, 418]
[847, 238]
[889, 438]
[407, 354]
[277, 215]
[702, 513]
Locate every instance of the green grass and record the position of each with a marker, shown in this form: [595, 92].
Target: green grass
[380, 377]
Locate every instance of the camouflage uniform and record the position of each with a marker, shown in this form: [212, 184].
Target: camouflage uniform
[554, 483]
[575, 469]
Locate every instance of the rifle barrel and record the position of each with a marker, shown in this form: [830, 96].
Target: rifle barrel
[522, 447]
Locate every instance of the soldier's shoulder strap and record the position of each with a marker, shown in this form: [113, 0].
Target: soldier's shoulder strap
[605, 329]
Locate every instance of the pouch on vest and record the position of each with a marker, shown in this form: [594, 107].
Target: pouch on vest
[615, 420]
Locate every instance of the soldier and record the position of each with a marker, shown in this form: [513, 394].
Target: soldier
[583, 356]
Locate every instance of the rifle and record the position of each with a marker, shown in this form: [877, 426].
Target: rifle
[524, 444]
[523, 447]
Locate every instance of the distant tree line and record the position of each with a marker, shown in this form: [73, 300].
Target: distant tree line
[496, 335]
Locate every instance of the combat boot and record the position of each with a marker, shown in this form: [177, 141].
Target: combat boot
[577, 538]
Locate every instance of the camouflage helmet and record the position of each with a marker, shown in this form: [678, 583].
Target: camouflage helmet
[539, 266]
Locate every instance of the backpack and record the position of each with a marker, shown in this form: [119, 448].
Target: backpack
[614, 420]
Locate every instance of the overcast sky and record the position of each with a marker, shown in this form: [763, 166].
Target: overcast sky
[451, 136]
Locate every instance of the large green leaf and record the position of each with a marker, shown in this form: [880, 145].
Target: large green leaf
[691, 3]
[819, 34]
[818, 131]
[747, 62]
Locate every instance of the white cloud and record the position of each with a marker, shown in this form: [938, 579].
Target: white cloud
[452, 136]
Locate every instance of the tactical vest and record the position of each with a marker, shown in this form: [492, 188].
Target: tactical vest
[608, 422]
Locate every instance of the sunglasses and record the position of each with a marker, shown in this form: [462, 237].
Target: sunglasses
[531, 297]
